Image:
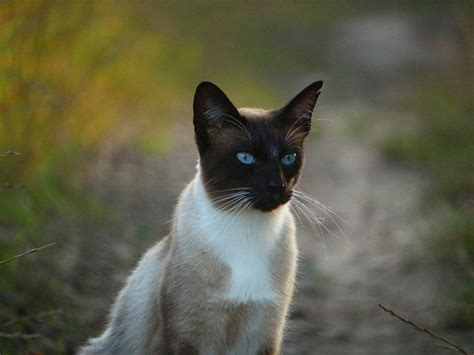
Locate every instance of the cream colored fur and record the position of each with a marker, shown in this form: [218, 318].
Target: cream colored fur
[219, 284]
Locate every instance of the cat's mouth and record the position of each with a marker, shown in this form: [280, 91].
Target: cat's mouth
[271, 202]
[244, 198]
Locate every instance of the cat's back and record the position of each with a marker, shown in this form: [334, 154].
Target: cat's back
[133, 319]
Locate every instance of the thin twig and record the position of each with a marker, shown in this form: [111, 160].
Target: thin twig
[27, 252]
[9, 153]
[424, 330]
[447, 347]
[36, 317]
[19, 336]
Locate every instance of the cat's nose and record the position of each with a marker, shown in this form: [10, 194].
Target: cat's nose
[276, 187]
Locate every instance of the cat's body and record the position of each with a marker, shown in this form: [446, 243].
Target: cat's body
[222, 281]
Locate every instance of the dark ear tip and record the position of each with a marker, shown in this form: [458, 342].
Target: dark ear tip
[317, 85]
[206, 85]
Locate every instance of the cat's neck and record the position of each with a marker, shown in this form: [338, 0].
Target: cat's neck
[196, 213]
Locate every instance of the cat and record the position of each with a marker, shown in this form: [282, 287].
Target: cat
[222, 281]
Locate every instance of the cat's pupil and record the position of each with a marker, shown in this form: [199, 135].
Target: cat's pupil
[246, 158]
[288, 159]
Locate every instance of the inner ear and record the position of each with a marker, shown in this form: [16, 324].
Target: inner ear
[213, 111]
[295, 116]
[212, 107]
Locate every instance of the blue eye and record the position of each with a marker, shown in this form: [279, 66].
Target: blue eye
[288, 159]
[246, 158]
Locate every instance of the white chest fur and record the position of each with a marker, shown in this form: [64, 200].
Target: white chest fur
[245, 244]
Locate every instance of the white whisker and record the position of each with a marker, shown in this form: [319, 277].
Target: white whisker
[238, 124]
[314, 226]
[295, 211]
[231, 205]
[230, 218]
[319, 220]
[227, 196]
[235, 188]
[328, 211]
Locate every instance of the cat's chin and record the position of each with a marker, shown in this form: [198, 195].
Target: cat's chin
[266, 207]
[268, 210]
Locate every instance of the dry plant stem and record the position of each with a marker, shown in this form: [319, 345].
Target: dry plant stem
[9, 153]
[447, 347]
[36, 317]
[424, 330]
[26, 253]
[19, 336]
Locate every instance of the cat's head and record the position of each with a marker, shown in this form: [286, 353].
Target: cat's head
[251, 156]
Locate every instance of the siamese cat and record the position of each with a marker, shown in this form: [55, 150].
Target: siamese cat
[221, 282]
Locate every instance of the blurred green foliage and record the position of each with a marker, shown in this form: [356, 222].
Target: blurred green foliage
[71, 72]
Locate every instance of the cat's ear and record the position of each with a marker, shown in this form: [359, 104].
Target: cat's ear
[212, 106]
[296, 115]
[212, 110]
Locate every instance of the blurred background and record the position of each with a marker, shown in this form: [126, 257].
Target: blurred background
[96, 143]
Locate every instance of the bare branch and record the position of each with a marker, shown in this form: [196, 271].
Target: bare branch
[36, 317]
[447, 347]
[9, 153]
[27, 252]
[19, 336]
[424, 330]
